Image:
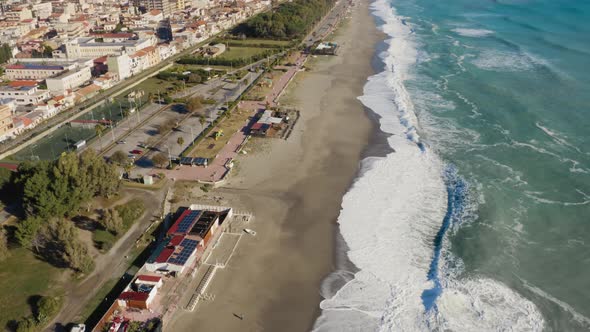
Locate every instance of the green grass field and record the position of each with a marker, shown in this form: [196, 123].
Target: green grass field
[22, 276]
[247, 42]
[235, 52]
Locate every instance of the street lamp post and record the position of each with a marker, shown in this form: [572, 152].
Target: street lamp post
[169, 157]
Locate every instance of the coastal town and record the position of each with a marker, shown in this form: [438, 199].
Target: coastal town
[121, 125]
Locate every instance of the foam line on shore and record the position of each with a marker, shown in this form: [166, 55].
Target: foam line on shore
[391, 221]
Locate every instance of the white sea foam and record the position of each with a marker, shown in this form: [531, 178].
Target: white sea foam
[503, 61]
[473, 32]
[389, 219]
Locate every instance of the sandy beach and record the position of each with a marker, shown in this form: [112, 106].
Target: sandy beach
[294, 189]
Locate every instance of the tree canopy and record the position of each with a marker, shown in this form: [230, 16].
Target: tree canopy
[57, 189]
[290, 20]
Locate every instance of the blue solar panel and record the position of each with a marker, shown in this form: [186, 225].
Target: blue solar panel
[188, 246]
[188, 221]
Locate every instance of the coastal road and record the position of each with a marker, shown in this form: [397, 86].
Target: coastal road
[327, 24]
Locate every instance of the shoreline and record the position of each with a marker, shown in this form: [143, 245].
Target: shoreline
[294, 189]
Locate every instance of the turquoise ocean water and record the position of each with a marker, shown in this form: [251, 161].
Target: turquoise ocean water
[480, 221]
[502, 91]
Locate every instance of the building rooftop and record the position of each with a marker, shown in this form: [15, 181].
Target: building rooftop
[134, 296]
[148, 278]
[31, 66]
[20, 83]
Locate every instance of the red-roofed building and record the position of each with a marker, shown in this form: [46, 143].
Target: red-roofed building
[143, 278]
[17, 84]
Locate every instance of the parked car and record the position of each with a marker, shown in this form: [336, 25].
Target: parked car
[136, 152]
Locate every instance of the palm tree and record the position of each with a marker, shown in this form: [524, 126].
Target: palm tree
[99, 130]
[180, 141]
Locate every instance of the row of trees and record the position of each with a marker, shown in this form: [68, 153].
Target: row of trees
[221, 61]
[291, 20]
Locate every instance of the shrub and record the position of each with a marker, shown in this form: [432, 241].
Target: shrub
[47, 307]
[130, 211]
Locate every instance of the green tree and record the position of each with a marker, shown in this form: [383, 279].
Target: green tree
[194, 78]
[5, 53]
[47, 51]
[194, 105]
[27, 230]
[160, 159]
[111, 221]
[202, 120]
[73, 251]
[99, 130]
[4, 252]
[27, 324]
[180, 141]
[47, 307]
[119, 157]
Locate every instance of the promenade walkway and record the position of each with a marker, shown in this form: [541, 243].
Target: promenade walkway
[217, 170]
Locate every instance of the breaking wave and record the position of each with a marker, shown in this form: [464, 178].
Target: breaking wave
[395, 220]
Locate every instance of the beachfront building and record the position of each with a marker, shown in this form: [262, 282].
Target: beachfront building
[326, 49]
[68, 80]
[268, 124]
[186, 241]
[183, 246]
[140, 294]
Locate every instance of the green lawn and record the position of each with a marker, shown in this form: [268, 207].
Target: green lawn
[153, 85]
[129, 213]
[97, 298]
[235, 53]
[23, 276]
[246, 42]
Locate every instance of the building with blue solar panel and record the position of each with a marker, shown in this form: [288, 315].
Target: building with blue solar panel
[186, 241]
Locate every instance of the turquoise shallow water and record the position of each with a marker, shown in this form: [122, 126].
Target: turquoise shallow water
[501, 90]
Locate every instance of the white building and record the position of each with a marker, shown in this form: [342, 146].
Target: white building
[166, 51]
[69, 80]
[119, 65]
[18, 14]
[42, 10]
[25, 95]
[89, 48]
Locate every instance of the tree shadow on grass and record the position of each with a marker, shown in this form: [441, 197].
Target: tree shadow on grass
[85, 223]
[52, 253]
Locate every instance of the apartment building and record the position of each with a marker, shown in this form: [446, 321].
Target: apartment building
[18, 14]
[166, 6]
[42, 10]
[68, 80]
[90, 48]
[24, 95]
[6, 123]
[119, 65]
[30, 71]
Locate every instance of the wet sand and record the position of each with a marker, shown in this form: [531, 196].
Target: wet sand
[294, 188]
